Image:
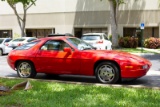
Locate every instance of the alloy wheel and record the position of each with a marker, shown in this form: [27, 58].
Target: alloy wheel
[24, 69]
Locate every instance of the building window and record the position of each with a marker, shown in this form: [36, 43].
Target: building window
[5, 33]
[39, 33]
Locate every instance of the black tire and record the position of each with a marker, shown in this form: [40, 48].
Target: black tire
[107, 73]
[25, 69]
[1, 52]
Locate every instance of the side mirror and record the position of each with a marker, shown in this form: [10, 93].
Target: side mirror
[68, 50]
[95, 48]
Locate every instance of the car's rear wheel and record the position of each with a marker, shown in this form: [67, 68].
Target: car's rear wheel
[26, 69]
[1, 52]
[107, 72]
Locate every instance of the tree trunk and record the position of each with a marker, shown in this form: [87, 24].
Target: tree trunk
[23, 32]
[114, 25]
[21, 22]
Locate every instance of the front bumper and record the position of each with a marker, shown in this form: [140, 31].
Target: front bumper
[135, 71]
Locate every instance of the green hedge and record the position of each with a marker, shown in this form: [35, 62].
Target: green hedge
[128, 42]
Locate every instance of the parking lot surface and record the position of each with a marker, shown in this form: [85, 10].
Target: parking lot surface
[151, 80]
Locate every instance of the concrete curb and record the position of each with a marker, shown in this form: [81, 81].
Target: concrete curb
[142, 54]
[151, 50]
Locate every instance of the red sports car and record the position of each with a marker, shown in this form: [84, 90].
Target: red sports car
[70, 55]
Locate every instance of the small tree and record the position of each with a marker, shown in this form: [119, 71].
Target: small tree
[21, 19]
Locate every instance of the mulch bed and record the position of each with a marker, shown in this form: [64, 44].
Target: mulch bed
[4, 90]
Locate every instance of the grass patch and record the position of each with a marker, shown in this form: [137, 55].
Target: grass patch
[51, 94]
[134, 50]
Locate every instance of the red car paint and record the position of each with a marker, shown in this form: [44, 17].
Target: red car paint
[79, 62]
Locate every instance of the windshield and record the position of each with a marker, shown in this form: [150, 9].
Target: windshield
[18, 40]
[91, 37]
[80, 44]
[27, 46]
[1, 40]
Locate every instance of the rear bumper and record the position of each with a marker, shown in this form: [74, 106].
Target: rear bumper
[102, 47]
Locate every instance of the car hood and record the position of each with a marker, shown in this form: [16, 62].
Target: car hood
[118, 55]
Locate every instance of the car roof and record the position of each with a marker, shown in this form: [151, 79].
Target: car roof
[24, 38]
[5, 38]
[93, 33]
[53, 34]
[27, 37]
[55, 37]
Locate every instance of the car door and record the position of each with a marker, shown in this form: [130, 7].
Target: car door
[52, 59]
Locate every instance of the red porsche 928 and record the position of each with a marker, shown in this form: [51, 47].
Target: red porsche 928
[71, 55]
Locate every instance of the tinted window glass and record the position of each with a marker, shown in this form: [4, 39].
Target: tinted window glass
[105, 37]
[80, 44]
[1, 40]
[27, 46]
[54, 45]
[17, 40]
[32, 39]
[91, 37]
[7, 40]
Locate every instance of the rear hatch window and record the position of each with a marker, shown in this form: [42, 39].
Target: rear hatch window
[27, 46]
[18, 40]
[91, 37]
[1, 40]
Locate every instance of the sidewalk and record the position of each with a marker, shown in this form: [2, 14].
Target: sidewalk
[151, 50]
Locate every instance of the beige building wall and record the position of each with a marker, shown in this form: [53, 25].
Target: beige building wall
[66, 15]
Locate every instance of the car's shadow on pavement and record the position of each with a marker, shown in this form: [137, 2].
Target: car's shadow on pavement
[146, 81]
[69, 78]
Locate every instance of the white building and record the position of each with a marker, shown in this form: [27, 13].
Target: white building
[81, 16]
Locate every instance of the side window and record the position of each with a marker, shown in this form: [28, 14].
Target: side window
[56, 45]
[63, 45]
[7, 40]
[105, 37]
[32, 39]
[101, 37]
[53, 45]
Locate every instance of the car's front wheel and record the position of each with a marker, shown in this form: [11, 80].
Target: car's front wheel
[107, 72]
[25, 69]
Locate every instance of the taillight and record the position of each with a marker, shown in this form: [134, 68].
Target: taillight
[101, 41]
[6, 44]
[20, 44]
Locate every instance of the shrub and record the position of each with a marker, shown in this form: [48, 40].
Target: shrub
[152, 43]
[128, 42]
[110, 37]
